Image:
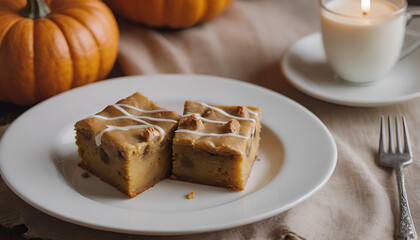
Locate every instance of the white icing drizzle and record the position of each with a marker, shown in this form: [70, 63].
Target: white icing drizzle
[212, 144]
[128, 115]
[135, 118]
[204, 119]
[231, 116]
[139, 109]
[252, 112]
[211, 134]
[221, 122]
[111, 128]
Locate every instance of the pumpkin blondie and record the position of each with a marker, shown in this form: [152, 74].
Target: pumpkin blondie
[128, 144]
[216, 145]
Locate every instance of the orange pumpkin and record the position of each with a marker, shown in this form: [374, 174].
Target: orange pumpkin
[49, 47]
[168, 13]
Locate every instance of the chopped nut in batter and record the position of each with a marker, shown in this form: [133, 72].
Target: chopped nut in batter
[193, 122]
[209, 112]
[149, 133]
[232, 126]
[242, 111]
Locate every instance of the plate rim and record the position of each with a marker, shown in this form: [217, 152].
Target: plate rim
[285, 67]
[208, 228]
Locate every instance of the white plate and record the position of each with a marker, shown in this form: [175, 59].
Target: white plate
[305, 66]
[38, 160]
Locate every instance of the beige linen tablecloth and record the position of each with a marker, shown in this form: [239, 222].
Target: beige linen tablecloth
[247, 42]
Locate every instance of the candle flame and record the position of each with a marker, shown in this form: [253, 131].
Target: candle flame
[365, 6]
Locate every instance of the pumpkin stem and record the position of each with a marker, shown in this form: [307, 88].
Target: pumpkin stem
[35, 9]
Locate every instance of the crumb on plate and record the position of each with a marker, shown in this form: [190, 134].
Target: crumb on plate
[190, 195]
[85, 175]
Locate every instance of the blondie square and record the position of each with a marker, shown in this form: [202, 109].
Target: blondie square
[128, 144]
[216, 145]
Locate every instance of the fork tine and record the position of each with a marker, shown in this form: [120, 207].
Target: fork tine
[382, 144]
[397, 132]
[391, 147]
[398, 160]
[407, 144]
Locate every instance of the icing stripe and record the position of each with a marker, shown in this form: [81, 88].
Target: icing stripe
[229, 115]
[222, 122]
[139, 109]
[133, 118]
[210, 134]
[236, 117]
[252, 112]
[204, 119]
[108, 128]
[128, 115]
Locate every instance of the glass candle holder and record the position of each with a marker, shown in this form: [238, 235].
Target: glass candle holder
[363, 43]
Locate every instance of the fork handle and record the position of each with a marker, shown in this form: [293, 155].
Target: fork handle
[406, 229]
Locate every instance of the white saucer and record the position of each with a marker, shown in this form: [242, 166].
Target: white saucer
[305, 67]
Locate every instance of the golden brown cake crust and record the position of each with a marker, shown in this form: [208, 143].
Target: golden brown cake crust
[216, 145]
[128, 144]
[132, 136]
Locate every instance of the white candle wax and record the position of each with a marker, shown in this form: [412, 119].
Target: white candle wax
[362, 47]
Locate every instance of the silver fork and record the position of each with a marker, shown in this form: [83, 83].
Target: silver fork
[397, 158]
